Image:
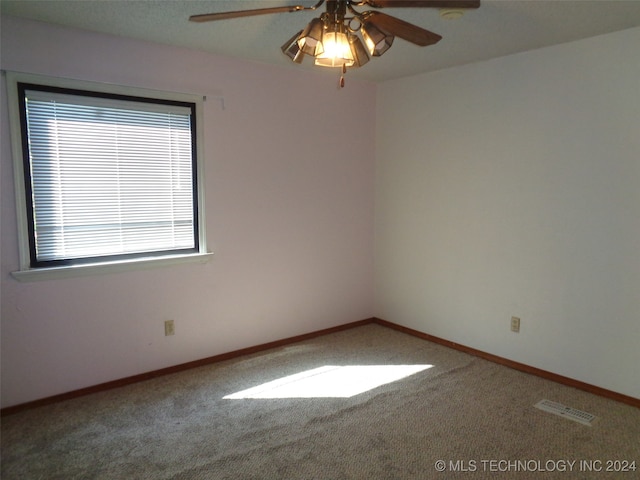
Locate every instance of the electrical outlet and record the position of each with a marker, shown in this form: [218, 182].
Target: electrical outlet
[515, 324]
[169, 328]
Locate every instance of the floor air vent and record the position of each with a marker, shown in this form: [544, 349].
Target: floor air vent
[566, 412]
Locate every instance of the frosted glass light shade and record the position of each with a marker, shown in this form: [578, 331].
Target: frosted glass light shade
[377, 41]
[310, 40]
[337, 50]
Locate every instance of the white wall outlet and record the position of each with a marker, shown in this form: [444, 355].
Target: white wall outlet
[169, 328]
[515, 324]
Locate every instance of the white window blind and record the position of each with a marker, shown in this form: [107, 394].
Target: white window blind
[108, 177]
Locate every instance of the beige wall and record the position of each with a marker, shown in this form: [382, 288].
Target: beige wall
[289, 175]
[512, 187]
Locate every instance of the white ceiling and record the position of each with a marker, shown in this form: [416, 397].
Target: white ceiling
[497, 28]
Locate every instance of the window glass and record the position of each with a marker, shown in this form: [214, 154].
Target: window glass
[107, 177]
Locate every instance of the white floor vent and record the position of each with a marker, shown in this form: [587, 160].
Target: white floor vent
[566, 412]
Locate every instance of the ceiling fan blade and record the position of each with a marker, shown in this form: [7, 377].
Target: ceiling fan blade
[424, 3]
[208, 17]
[400, 28]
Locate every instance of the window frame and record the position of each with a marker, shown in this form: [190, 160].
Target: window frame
[28, 271]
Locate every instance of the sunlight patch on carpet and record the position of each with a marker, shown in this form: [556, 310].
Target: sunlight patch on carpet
[331, 381]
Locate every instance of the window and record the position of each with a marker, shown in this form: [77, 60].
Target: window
[107, 177]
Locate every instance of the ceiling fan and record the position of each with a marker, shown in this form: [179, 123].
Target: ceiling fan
[333, 39]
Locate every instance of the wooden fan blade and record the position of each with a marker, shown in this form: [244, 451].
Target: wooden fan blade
[400, 28]
[424, 3]
[208, 17]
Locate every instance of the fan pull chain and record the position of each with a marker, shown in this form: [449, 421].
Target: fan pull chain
[344, 71]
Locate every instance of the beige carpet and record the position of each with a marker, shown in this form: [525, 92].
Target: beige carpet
[476, 416]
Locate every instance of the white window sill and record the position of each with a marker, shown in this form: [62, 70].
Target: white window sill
[36, 274]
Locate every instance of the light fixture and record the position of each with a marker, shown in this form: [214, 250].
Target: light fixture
[337, 49]
[378, 41]
[334, 42]
[292, 50]
[360, 54]
[310, 40]
[333, 39]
